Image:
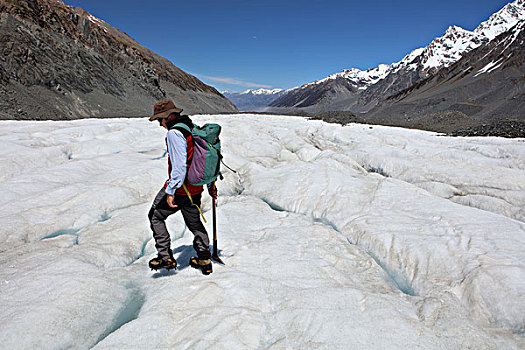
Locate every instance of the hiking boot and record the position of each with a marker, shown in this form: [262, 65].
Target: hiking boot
[203, 264]
[162, 263]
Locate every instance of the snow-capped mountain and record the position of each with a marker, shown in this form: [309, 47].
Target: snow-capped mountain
[442, 51]
[417, 65]
[253, 100]
[486, 82]
[361, 79]
[449, 48]
[502, 20]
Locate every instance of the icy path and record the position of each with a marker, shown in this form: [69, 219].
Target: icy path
[334, 237]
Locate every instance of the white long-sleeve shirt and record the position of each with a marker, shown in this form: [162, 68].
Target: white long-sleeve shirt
[177, 153]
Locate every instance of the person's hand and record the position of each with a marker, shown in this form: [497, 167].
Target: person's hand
[171, 201]
[213, 191]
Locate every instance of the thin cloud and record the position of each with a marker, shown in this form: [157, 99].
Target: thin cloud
[234, 81]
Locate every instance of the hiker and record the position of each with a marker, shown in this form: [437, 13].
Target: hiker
[173, 197]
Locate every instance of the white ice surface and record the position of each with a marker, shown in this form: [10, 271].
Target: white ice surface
[355, 237]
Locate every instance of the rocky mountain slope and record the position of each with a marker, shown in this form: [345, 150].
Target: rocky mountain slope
[329, 94]
[60, 62]
[253, 100]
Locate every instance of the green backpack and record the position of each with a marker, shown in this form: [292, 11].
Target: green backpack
[206, 160]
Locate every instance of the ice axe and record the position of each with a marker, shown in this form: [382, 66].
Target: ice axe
[215, 255]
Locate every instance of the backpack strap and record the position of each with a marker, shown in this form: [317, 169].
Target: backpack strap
[184, 127]
[187, 133]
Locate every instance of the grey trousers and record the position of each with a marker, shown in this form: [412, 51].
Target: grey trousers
[159, 212]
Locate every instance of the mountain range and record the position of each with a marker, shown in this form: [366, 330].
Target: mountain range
[253, 100]
[60, 62]
[387, 91]
[486, 84]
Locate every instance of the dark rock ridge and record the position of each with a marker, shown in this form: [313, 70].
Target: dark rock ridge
[318, 97]
[60, 62]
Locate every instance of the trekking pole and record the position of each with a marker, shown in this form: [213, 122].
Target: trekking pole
[215, 255]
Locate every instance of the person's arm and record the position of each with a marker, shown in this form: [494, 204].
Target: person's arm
[177, 151]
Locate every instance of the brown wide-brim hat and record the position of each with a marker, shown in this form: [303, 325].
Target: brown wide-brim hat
[163, 109]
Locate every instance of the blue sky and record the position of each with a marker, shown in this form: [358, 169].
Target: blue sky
[235, 44]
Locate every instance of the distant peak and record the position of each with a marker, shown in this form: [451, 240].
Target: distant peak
[457, 30]
[262, 91]
[502, 20]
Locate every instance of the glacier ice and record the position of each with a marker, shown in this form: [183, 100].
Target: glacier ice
[333, 237]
